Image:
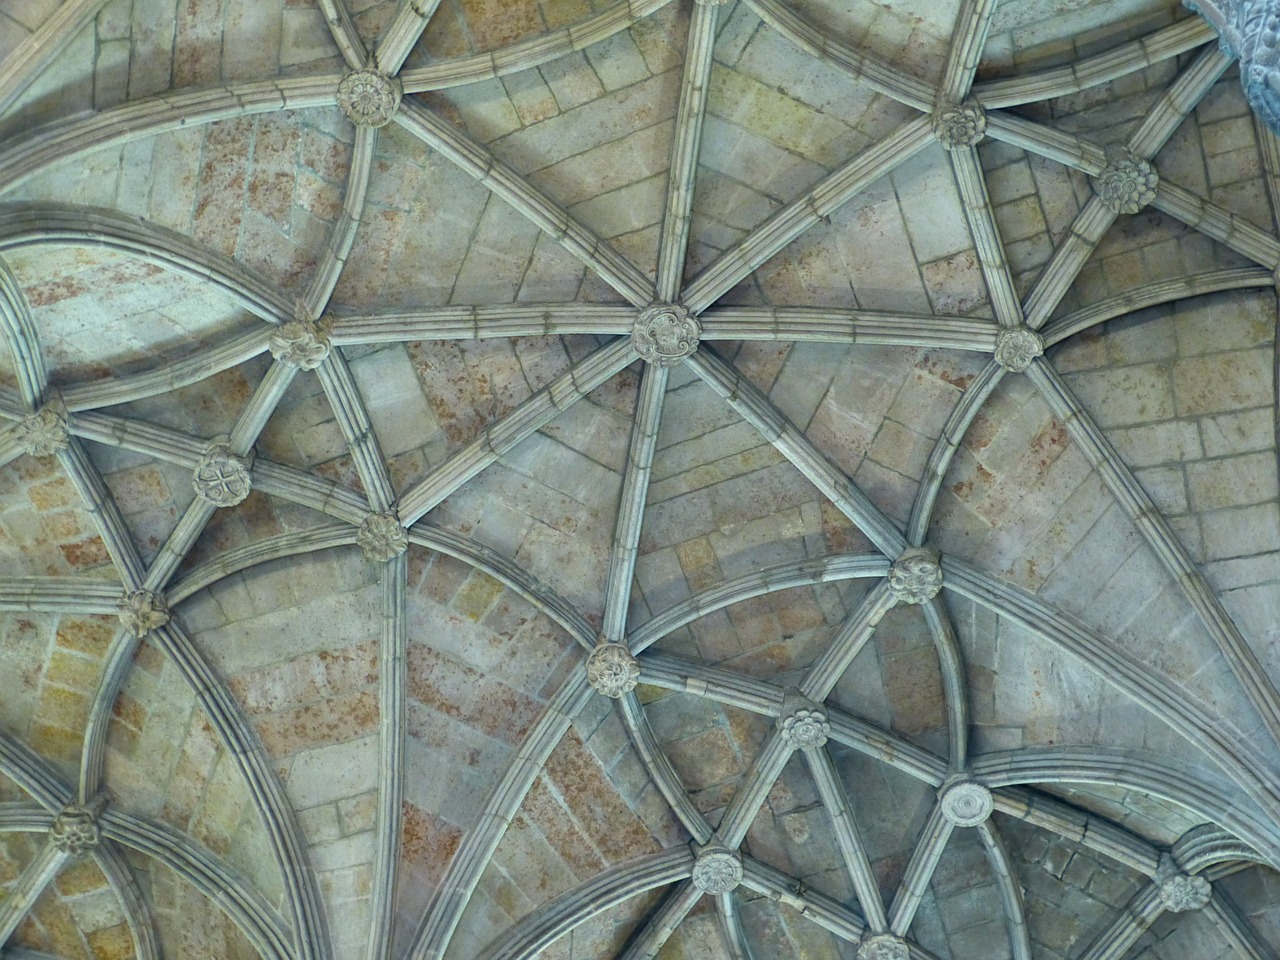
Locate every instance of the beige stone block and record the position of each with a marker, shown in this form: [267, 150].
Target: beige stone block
[1233, 482]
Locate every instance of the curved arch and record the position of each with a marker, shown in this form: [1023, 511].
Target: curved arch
[61, 140]
[1208, 845]
[34, 225]
[1135, 679]
[533, 52]
[782, 576]
[22, 339]
[570, 910]
[213, 877]
[1154, 294]
[1146, 775]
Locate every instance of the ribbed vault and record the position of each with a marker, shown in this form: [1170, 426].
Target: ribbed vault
[635, 479]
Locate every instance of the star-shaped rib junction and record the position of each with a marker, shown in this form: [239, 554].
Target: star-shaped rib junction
[649, 478]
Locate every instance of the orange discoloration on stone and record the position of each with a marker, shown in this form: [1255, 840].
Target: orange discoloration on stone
[334, 720]
[58, 492]
[429, 842]
[85, 554]
[87, 635]
[497, 23]
[80, 877]
[111, 943]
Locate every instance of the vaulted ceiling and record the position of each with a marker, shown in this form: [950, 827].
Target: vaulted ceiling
[889, 385]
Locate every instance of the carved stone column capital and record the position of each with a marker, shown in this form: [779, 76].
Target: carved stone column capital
[965, 802]
[382, 537]
[1017, 346]
[75, 830]
[302, 342]
[43, 433]
[1127, 183]
[142, 611]
[221, 477]
[1181, 892]
[960, 125]
[612, 670]
[803, 724]
[883, 946]
[665, 333]
[368, 98]
[916, 576]
[717, 869]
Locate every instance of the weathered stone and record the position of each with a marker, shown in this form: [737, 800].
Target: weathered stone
[1127, 183]
[665, 333]
[1016, 347]
[368, 98]
[960, 125]
[1181, 892]
[301, 342]
[717, 869]
[75, 831]
[965, 802]
[612, 670]
[142, 611]
[43, 433]
[382, 537]
[803, 723]
[916, 576]
[221, 477]
[883, 946]
[1250, 30]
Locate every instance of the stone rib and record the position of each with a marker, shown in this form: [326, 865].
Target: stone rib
[1179, 100]
[106, 516]
[659, 768]
[1062, 269]
[1154, 294]
[1135, 917]
[673, 245]
[973, 23]
[25, 156]
[986, 235]
[480, 164]
[528, 418]
[1213, 221]
[477, 847]
[231, 562]
[60, 224]
[648, 941]
[875, 73]
[353, 419]
[745, 398]
[23, 340]
[1143, 514]
[540, 929]
[402, 33]
[168, 376]
[59, 595]
[530, 53]
[344, 33]
[635, 490]
[479, 323]
[951, 669]
[343, 235]
[1163, 44]
[392, 716]
[29, 886]
[920, 870]
[802, 573]
[1007, 883]
[831, 793]
[21, 67]
[826, 325]
[737, 263]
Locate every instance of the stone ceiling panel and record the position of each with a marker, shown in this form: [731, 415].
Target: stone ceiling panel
[1035, 32]
[964, 903]
[913, 34]
[1253, 892]
[187, 923]
[82, 906]
[47, 530]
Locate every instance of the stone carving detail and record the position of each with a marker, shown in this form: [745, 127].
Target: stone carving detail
[382, 538]
[717, 869]
[803, 723]
[665, 334]
[1016, 347]
[43, 433]
[962, 125]
[1127, 183]
[142, 611]
[1179, 891]
[883, 946]
[369, 98]
[222, 478]
[75, 831]
[916, 576]
[1250, 30]
[965, 802]
[302, 342]
[612, 670]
